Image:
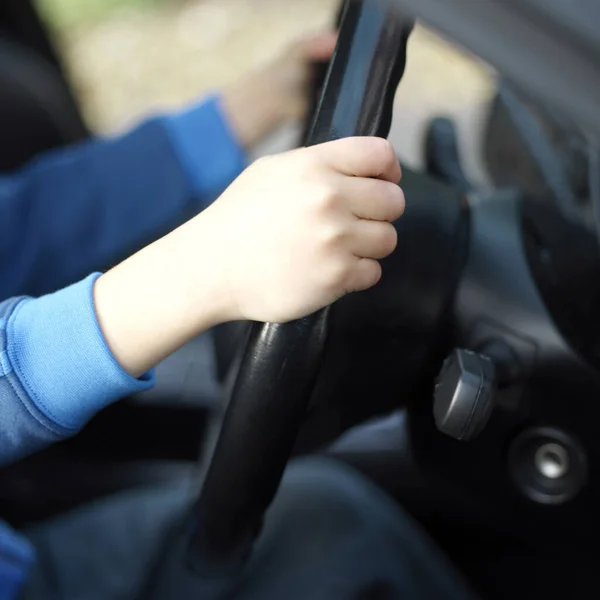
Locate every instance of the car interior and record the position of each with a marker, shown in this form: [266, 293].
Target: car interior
[464, 384]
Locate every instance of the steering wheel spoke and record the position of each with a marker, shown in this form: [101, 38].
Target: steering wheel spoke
[281, 362]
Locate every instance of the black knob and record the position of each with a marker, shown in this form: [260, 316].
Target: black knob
[464, 394]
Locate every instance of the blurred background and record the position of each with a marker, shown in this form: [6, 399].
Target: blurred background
[130, 58]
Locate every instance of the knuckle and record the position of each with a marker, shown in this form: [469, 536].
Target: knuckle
[333, 237]
[389, 240]
[326, 197]
[390, 199]
[383, 150]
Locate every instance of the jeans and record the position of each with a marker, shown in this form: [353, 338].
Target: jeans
[330, 534]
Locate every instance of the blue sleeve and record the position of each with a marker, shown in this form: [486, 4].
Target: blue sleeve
[56, 370]
[81, 209]
[16, 557]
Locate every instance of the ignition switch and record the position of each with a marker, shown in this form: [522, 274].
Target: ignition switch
[466, 387]
[464, 394]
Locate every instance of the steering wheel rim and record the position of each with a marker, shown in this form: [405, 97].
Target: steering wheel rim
[281, 362]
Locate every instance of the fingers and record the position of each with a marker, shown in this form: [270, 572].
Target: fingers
[366, 274]
[319, 48]
[361, 157]
[374, 199]
[373, 239]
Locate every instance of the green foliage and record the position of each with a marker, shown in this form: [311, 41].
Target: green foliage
[63, 14]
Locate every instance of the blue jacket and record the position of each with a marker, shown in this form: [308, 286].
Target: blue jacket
[64, 217]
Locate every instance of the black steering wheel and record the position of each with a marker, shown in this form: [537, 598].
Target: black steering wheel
[281, 362]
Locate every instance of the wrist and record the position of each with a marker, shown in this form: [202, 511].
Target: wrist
[200, 284]
[161, 298]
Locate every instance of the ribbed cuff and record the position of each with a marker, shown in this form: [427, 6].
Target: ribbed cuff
[58, 352]
[207, 148]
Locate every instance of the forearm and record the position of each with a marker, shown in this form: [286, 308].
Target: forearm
[67, 355]
[162, 297]
[291, 235]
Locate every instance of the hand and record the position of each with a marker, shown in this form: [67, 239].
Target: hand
[290, 75]
[298, 231]
[294, 233]
[277, 93]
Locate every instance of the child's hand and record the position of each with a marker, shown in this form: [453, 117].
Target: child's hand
[290, 75]
[278, 92]
[297, 231]
[292, 234]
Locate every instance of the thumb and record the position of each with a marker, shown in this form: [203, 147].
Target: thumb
[360, 157]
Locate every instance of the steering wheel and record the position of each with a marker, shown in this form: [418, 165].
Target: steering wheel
[281, 362]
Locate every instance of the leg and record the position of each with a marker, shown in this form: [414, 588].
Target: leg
[104, 551]
[329, 534]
